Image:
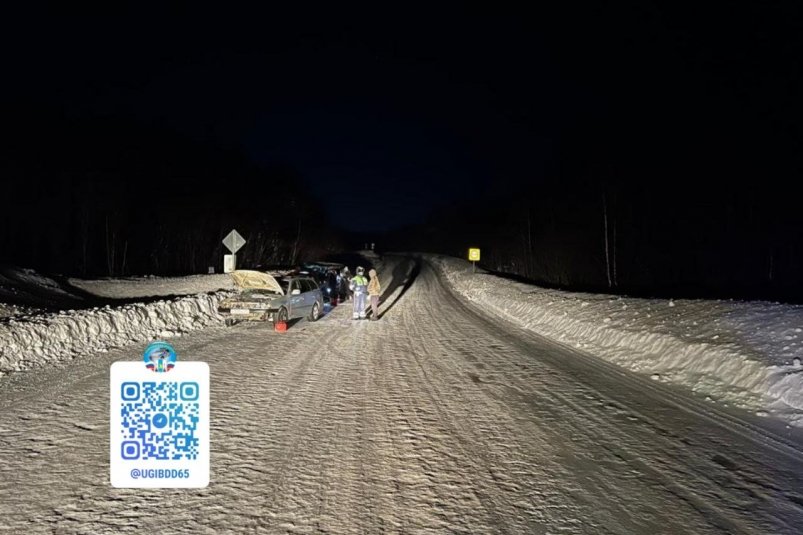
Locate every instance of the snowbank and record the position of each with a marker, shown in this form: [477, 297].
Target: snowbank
[32, 335]
[24, 291]
[7, 310]
[32, 341]
[743, 353]
[154, 286]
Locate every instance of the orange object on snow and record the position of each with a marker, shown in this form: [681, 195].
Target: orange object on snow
[280, 326]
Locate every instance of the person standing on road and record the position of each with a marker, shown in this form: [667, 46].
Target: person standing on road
[344, 282]
[332, 287]
[374, 289]
[359, 285]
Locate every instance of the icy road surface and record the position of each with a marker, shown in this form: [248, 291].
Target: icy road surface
[436, 419]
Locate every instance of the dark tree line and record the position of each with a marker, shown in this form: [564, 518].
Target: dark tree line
[104, 197]
[712, 216]
[679, 173]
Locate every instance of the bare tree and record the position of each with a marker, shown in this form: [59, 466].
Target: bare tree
[772, 263]
[125, 255]
[84, 230]
[296, 243]
[615, 279]
[110, 247]
[607, 248]
[529, 258]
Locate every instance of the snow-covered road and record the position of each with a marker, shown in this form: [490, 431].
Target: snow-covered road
[439, 418]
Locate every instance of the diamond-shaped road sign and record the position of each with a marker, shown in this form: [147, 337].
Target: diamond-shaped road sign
[233, 241]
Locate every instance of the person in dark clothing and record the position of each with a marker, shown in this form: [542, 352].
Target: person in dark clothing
[343, 284]
[332, 287]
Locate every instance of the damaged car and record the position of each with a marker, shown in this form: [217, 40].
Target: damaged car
[260, 297]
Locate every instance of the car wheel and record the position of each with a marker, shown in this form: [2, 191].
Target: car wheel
[316, 312]
[282, 315]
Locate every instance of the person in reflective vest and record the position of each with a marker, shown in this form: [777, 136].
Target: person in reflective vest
[359, 285]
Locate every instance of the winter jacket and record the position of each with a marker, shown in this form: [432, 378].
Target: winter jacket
[373, 286]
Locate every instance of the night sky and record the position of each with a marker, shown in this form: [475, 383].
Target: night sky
[388, 114]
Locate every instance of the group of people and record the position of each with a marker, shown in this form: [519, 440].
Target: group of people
[360, 289]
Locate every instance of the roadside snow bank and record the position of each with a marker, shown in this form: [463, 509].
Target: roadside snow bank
[24, 291]
[7, 310]
[136, 287]
[744, 353]
[32, 341]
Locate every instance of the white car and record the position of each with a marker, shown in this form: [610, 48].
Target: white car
[262, 298]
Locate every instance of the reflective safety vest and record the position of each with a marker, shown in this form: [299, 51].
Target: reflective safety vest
[358, 283]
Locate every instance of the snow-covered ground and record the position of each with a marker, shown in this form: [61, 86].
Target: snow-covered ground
[51, 320]
[31, 341]
[438, 418]
[9, 310]
[746, 354]
[46, 319]
[24, 291]
[154, 286]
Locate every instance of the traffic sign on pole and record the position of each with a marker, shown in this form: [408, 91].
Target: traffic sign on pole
[233, 243]
[474, 256]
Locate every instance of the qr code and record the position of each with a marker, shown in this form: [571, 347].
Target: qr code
[159, 420]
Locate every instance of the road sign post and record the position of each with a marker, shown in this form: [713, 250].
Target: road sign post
[229, 263]
[233, 242]
[474, 257]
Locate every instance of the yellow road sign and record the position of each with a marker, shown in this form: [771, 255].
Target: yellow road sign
[474, 254]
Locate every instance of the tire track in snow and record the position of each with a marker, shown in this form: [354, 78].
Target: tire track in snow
[487, 451]
[678, 464]
[435, 419]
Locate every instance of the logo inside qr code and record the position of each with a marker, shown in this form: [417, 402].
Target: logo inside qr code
[159, 420]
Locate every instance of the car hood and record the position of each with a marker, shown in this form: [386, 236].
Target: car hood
[256, 280]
